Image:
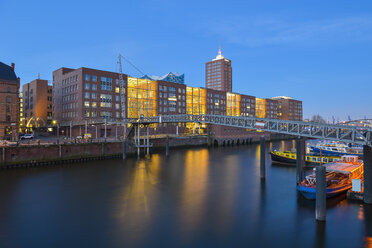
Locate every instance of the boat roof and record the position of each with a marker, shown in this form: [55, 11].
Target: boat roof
[343, 167]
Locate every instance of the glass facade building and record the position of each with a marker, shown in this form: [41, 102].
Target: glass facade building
[142, 97]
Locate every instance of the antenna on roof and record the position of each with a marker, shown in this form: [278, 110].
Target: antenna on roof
[38, 75]
[219, 47]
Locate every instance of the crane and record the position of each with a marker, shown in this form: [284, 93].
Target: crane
[122, 95]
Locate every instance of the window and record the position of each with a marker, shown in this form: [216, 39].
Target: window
[8, 118]
[7, 108]
[117, 98]
[94, 113]
[86, 86]
[86, 113]
[105, 100]
[117, 115]
[117, 106]
[117, 90]
[8, 89]
[8, 100]
[94, 78]
[86, 104]
[86, 95]
[94, 87]
[105, 114]
[86, 77]
[94, 105]
[94, 96]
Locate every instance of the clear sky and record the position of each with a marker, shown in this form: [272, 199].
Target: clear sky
[316, 51]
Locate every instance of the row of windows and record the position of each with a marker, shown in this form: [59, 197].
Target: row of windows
[68, 106]
[71, 97]
[87, 77]
[71, 88]
[70, 80]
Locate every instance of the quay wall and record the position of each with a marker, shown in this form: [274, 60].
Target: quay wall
[38, 155]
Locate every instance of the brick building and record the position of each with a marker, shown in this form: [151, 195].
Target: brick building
[267, 108]
[86, 94]
[218, 74]
[289, 109]
[90, 95]
[9, 102]
[37, 102]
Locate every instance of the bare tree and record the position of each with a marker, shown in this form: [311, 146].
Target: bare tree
[318, 119]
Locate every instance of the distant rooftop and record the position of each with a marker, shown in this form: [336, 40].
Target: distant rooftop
[7, 72]
[170, 77]
[281, 97]
[219, 56]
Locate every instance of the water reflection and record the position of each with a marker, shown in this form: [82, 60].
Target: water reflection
[320, 234]
[367, 208]
[194, 198]
[193, 194]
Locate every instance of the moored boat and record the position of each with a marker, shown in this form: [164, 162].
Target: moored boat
[336, 149]
[290, 158]
[339, 175]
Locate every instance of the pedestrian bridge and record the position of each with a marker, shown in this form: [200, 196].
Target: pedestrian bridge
[336, 132]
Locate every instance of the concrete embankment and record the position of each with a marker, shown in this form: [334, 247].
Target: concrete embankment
[70, 152]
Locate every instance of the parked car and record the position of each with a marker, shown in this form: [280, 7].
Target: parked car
[27, 136]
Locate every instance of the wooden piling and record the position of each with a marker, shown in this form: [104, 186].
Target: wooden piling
[320, 201]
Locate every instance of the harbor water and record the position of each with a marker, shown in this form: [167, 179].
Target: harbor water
[202, 197]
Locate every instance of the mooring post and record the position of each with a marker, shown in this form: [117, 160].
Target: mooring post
[138, 141]
[367, 159]
[4, 155]
[60, 151]
[320, 201]
[124, 149]
[148, 140]
[262, 157]
[167, 147]
[300, 160]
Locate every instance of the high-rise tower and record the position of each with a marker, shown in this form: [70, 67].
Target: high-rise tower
[218, 73]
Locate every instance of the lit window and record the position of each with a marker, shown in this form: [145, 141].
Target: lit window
[94, 105]
[86, 104]
[117, 89]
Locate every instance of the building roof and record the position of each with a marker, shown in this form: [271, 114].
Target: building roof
[281, 97]
[7, 72]
[220, 56]
[170, 77]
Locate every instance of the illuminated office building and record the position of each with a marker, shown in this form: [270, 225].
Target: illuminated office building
[90, 95]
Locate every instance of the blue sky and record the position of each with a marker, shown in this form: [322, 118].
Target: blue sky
[315, 51]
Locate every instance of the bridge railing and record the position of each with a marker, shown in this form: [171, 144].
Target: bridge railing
[336, 132]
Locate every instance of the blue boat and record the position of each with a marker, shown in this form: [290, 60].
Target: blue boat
[336, 150]
[339, 175]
